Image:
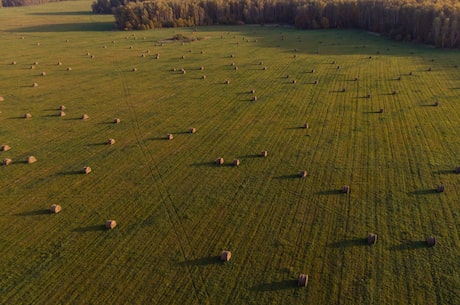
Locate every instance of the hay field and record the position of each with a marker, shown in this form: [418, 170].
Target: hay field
[176, 210]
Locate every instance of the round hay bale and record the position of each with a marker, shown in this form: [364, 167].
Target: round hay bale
[436, 104]
[457, 170]
[236, 68]
[69, 69]
[105, 46]
[382, 110]
[316, 82]
[134, 69]
[261, 63]
[356, 79]
[13, 62]
[192, 130]
[227, 82]
[429, 69]
[236, 162]
[35, 63]
[110, 141]
[31, 159]
[55, 208]
[38, 44]
[169, 136]
[368, 95]
[394, 92]
[203, 77]
[254, 98]
[2, 99]
[253, 91]
[182, 57]
[173, 69]
[220, 161]
[183, 71]
[346, 189]
[110, 224]
[303, 280]
[294, 81]
[264, 68]
[338, 67]
[202, 52]
[344, 90]
[410, 73]
[202, 68]
[371, 238]
[130, 47]
[5, 147]
[85, 117]
[35, 85]
[43, 74]
[225, 256]
[88, 54]
[232, 64]
[440, 188]
[92, 56]
[27, 116]
[116, 121]
[287, 76]
[232, 56]
[431, 241]
[157, 56]
[305, 126]
[7, 161]
[399, 78]
[303, 174]
[86, 170]
[334, 62]
[142, 55]
[312, 71]
[59, 63]
[264, 153]
[61, 113]
[62, 107]
[32, 67]
[295, 56]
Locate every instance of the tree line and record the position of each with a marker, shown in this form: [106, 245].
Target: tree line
[435, 22]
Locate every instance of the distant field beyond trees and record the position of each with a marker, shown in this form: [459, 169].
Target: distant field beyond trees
[430, 22]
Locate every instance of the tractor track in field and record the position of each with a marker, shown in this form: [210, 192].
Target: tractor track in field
[167, 202]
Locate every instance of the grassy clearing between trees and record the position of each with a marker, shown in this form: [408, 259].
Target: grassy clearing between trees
[176, 210]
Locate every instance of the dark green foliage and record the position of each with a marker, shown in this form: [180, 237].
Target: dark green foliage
[421, 21]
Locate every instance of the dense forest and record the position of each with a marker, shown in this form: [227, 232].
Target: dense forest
[433, 22]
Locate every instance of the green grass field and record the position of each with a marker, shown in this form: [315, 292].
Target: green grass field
[176, 210]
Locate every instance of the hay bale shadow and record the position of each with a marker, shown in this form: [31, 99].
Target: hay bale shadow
[66, 173]
[285, 177]
[410, 245]
[204, 261]
[423, 192]
[97, 144]
[295, 128]
[353, 242]
[275, 286]
[16, 118]
[34, 213]
[93, 228]
[159, 139]
[330, 192]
